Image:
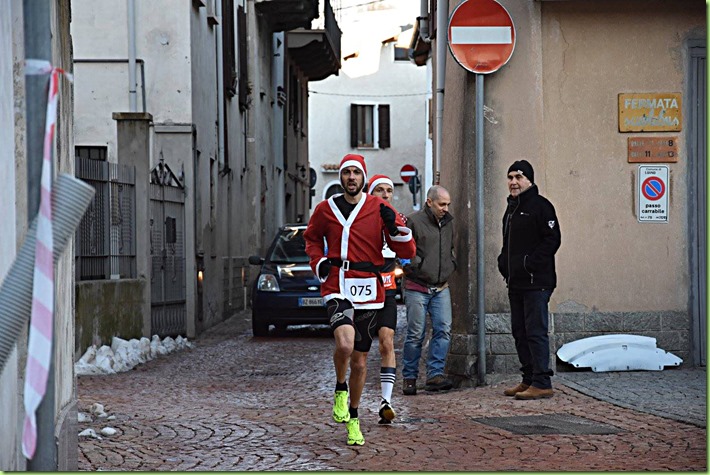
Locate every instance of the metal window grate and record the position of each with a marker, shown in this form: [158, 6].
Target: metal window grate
[167, 252]
[105, 240]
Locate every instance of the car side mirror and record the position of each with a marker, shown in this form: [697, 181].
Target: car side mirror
[256, 260]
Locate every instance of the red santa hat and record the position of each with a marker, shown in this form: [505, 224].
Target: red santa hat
[379, 180]
[352, 160]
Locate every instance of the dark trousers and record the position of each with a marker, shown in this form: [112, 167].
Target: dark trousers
[529, 321]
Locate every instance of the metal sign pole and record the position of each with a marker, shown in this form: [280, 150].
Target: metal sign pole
[479, 233]
[481, 37]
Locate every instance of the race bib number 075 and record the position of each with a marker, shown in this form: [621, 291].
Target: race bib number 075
[361, 290]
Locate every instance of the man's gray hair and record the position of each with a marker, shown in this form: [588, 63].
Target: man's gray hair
[436, 191]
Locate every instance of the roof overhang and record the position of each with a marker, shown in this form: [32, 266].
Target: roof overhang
[283, 15]
[418, 48]
[313, 52]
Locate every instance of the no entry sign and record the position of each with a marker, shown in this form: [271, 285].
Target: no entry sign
[481, 35]
[407, 172]
[653, 194]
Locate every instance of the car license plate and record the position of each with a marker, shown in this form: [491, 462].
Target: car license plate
[310, 302]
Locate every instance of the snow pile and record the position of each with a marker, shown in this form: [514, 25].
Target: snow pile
[89, 433]
[123, 355]
[96, 410]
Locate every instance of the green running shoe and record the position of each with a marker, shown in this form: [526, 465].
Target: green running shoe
[354, 435]
[340, 407]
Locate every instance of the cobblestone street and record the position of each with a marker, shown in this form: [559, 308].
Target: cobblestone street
[236, 403]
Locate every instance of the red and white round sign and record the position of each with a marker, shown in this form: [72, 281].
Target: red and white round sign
[481, 35]
[407, 172]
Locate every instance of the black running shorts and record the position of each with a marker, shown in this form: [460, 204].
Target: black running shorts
[387, 315]
[341, 312]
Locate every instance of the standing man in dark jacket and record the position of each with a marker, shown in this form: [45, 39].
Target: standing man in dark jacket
[427, 290]
[531, 236]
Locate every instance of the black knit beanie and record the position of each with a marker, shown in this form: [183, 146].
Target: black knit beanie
[524, 167]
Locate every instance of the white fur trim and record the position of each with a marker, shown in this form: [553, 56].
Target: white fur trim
[379, 181]
[318, 268]
[405, 235]
[354, 163]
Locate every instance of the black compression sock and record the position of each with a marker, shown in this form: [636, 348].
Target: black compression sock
[341, 386]
[353, 413]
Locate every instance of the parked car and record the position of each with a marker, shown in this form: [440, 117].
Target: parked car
[286, 292]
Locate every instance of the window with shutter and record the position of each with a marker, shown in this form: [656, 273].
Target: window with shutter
[370, 126]
[363, 125]
[353, 125]
[383, 117]
[229, 71]
[243, 78]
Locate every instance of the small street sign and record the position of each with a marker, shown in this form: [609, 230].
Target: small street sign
[653, 149]
[653, 194]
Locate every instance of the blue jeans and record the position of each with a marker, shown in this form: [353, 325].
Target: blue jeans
[529, 321]
[438, 304]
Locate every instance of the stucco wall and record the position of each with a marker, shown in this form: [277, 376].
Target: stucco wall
[555, 103]
[100, 31]
[630, 266]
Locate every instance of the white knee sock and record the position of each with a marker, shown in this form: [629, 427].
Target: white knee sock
[387, 377]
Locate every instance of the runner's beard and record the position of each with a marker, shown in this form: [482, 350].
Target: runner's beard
[352, 193]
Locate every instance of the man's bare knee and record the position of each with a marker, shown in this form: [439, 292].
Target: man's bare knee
[386, 341]
[344, 340]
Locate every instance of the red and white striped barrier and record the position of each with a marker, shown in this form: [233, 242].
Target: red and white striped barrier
[39, 351]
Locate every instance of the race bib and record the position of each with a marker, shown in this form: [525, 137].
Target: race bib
[361, 290]
[388, 280]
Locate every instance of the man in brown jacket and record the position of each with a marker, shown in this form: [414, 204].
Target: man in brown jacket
[427, 291]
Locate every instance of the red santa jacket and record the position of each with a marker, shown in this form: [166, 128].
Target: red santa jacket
[360, 238]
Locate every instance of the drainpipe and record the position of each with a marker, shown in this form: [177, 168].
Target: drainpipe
[278, 130]
[424, 21]
[442, 20]
[139, 62]
[220, 86]
[132, 95]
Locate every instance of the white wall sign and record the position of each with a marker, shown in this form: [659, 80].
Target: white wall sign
[653, 194]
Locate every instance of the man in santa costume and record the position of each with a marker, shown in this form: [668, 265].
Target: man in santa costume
[353, 226]
[382, 186]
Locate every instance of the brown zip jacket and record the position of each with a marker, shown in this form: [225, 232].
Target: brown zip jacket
[435, 260]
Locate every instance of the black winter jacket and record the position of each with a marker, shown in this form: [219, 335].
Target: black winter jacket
[531, 236]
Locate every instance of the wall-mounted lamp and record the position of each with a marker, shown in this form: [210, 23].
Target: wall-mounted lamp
[200, 265]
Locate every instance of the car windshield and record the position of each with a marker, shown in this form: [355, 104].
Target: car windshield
[290, 247]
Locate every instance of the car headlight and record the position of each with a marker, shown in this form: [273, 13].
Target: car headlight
[267, 283]
[398, 272]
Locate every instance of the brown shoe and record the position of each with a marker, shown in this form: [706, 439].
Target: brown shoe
[534, 393]
[438, 383]
[517, 389]
[409, 387]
